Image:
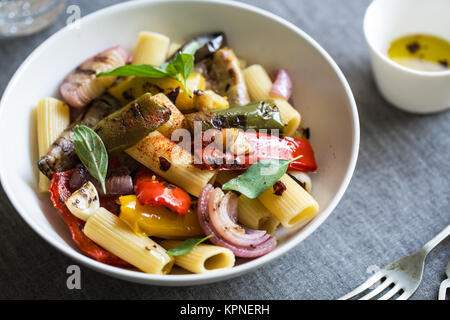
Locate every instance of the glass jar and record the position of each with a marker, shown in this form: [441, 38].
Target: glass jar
[24, 17]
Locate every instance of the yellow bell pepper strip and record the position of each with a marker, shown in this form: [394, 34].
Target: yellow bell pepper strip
[158, 221]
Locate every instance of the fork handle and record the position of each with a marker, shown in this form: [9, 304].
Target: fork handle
[430, 245]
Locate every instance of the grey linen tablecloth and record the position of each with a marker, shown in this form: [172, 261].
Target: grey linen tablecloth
[398, 199]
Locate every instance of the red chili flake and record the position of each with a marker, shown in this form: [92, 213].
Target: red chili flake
[164, 164]
[279, 188]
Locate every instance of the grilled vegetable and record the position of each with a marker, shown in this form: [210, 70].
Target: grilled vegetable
[256, 115]
[118, 183]
[209, 101]
[208, 45]
[81, 86]
[227, 75]
[61, 155]
[302, 179]
[154, 191]
[132, 88]
[60, 191]
[217, 214]
[158, 221]
[83, 202]
[262, 146]
[132, 123]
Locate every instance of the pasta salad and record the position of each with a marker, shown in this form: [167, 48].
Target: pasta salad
[175, 155]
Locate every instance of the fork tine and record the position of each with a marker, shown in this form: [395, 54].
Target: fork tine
[405, 295]
[377, 290]
[369, 282]
[391, 292]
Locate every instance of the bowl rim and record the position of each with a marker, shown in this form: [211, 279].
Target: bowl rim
[385, 59]
[213, 276]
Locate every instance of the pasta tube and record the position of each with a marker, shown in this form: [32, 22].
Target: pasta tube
[252, 214]
[176, 120]
[258, 82]
[114, 235]
[172, 162]
[53, 117]
[259, 86]
[294, 207]
[203, 258]
[158, 221]
[173, 48]
[151, 48]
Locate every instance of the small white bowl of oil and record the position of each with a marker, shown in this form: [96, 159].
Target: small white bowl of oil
[409, 45]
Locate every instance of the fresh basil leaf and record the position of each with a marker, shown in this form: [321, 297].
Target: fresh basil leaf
[178, 69]
[186, 64]
[92, 152]
[183, 64]
[141, 70]
[259, 177]
[182, 67]
[186, 246]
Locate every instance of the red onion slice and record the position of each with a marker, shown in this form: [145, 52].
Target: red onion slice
[81, 86]
[115, 185]
[119, 185]
[282, 85]
[246, 243]
[222, 207]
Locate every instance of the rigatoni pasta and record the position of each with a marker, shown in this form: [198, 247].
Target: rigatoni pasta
[173, 48]
[114, 235]
[203, 258]
[176, 120]
[151, 48]
[53, 117]
[259, 86]
[294, 207]
[254, 215]
[172, 162]
[258, 82]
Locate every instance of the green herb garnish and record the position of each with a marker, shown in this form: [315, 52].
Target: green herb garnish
[177, 69]
[92, 152]
[186, 246]
[259, 177]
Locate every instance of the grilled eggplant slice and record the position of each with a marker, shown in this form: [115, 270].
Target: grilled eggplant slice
[209, 43]
[61, 155]
[223, 75]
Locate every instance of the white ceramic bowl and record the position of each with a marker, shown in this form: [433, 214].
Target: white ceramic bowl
[321, 93]
[408, 89]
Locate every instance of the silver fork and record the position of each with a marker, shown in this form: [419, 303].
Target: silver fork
[404, 274]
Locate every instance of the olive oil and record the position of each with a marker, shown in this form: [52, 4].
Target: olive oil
[421, 52]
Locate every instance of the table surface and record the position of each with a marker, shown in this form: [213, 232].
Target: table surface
[398, 199]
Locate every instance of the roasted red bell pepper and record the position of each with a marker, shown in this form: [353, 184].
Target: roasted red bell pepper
[264, 146]
[153, 191]
[60, 191]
